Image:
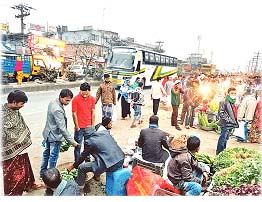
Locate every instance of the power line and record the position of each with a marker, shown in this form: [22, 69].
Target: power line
[24, 11]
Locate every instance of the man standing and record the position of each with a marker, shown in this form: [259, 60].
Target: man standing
[175, 102]
[83, 111]
[15, 135]
[55, 131]
[227, 118]
[151, 141]
[157, 91]
[107, 93]
[102, 146]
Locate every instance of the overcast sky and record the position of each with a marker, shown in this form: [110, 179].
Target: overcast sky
[231, 29]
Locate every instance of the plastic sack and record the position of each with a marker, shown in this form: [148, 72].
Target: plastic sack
[114, 116]
[144, 182]
[240, 131]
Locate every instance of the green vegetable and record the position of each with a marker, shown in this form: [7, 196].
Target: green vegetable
[68, 175]
[65, 146]
[204, 158]
[230, 156]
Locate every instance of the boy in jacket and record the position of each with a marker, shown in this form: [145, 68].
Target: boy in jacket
[227, 114]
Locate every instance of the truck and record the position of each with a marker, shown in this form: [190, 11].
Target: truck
[31, 66]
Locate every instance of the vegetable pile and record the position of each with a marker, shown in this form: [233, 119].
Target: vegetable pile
[68, 175]
[243, 190]
[236, 167]
[204, 158]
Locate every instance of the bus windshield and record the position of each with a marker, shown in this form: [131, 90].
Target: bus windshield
[121, 58]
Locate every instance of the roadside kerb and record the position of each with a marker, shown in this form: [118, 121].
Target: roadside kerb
[32, 87]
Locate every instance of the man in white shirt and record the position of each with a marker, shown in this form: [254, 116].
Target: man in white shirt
[157, 91]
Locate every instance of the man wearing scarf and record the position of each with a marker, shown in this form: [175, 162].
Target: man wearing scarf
[123, 94]
[151, 141]
[227, 118]
[17, 170]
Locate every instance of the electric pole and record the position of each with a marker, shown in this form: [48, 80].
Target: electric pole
[24, 11]
[159, 45]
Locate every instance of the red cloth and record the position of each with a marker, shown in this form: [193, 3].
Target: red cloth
[258, 114]
[164, 81]
[234, 110]
[83, 108]
[19, 66]
[18, 175]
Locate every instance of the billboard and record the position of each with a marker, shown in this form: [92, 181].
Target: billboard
[49, 49]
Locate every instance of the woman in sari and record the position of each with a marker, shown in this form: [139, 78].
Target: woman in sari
[123, 94]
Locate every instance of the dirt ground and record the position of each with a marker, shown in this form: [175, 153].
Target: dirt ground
[122, 133]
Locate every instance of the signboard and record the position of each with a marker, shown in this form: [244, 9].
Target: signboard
[49, 49]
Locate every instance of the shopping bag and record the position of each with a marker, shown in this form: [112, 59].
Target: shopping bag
[240, 131]
[114, 116]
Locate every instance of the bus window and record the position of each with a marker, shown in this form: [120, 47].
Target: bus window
[162, 60]
[152, 58]
[167, 61]
[175, 62]
[146, 57]
[171, 61]
[157, 59]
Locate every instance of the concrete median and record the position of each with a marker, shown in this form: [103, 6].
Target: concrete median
[34, 86]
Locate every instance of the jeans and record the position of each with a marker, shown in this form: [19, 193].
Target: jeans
[50, 156]
[97, 167]
[190, 115]
[223, 138]
[79, 137]
[192, 188]
[155, 105]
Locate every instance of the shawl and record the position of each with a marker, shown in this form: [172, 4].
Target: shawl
[15, 133]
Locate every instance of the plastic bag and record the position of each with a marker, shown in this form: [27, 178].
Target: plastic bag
[240, 131]
[114, 116]
[144, 182]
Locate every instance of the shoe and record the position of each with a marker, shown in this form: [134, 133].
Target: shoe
[97, 178]
[132, 126]
[194, 127]
[187, 127]
[178, 128]
[49, 192]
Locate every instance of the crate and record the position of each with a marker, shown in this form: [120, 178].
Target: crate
[116, 182]
[163, 192]
[156, 168]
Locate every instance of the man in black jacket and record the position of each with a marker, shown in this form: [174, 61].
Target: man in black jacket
[151, 141]
[227, 114]
[102, 146]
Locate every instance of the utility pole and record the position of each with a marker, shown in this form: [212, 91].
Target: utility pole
[159, 44]
[256, 58]
[24, 11]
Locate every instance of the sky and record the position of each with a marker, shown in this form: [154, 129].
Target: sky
[230, 31]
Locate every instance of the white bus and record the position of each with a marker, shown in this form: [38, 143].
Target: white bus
[129, 63]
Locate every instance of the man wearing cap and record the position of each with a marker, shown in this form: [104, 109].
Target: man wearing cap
[83, 111]
[107, 93]
[175, 102]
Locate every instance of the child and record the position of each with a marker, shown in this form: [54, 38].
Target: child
[137, 104]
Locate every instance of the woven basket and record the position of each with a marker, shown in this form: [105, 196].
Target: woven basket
[62, 166]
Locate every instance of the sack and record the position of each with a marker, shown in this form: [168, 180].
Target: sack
[144, 182]
[114, 116]
[240, 131]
